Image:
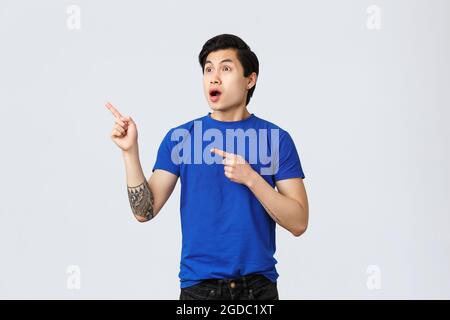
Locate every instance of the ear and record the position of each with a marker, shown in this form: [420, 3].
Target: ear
[251, 80]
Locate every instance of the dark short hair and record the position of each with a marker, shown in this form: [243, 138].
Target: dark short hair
[246, 57]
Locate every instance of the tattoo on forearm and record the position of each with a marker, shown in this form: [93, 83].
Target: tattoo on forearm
[141, 200]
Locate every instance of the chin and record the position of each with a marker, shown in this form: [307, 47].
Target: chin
[215, 107]
[219, 107]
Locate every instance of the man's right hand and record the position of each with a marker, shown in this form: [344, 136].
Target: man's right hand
[124, 132]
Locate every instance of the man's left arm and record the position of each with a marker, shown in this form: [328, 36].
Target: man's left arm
[288, 206]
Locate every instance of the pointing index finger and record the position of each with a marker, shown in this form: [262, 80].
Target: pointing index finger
[219, 152]
[113, 110]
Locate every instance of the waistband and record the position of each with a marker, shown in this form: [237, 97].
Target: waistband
[248, 280]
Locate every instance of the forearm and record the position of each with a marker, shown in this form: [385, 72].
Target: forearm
[287, 212]
[139, 193]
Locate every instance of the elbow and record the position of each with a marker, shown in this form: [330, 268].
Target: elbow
[150, 214]
[141, 219]
[297, 232]
[302, 224]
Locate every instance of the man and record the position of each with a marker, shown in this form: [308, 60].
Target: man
[229, 205]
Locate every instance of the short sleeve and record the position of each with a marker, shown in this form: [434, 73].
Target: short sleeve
[289, 160]
[164, 156]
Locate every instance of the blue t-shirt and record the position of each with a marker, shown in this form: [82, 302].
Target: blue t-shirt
[226, 232]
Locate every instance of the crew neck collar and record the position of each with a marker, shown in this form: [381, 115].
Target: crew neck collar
[211, 119]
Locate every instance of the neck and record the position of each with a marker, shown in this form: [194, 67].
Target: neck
[232, 114]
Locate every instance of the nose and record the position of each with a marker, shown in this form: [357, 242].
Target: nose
[214, 79]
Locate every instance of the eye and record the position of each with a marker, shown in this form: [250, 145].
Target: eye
[208, 69]
[226, 68]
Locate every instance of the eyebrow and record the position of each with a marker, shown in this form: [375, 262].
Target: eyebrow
[224, 60]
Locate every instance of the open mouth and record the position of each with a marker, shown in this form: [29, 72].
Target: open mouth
[214, 95]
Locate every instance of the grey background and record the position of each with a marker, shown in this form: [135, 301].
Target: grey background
[368, 110]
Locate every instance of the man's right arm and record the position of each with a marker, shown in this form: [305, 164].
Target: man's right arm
[146, 197]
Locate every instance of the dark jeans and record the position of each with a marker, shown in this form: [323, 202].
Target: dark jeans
[250, 287]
